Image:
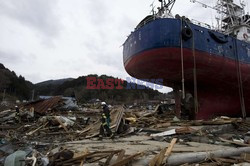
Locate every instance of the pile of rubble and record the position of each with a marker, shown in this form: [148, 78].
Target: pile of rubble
[49, 133]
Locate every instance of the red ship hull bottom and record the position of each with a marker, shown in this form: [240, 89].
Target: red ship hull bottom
[217, 83]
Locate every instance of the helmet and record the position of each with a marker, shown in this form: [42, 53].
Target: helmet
[16, 106]
[103, 103]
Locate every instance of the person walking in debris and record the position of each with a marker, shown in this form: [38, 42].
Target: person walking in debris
[17, 116]
[105, 119]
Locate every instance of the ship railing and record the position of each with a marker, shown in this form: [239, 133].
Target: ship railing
[145, 21]
[202, 24]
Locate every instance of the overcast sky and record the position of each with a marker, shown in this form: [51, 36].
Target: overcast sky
[52, 39]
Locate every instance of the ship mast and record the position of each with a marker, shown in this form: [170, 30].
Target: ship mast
[165, 10]
[232, 19]
[231, 15]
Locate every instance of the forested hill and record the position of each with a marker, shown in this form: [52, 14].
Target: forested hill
[14, 86]
[119, 93]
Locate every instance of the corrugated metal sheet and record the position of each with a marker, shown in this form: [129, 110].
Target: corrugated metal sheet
[42, 106]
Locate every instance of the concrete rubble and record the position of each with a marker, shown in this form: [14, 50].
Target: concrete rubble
[47, 134]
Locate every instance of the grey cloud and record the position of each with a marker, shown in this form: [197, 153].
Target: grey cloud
[110, 59]
[101, 54]
[38, 14]
[16, 57]
[34, 77]
[90, 43]
[98, 12]
[10, 57]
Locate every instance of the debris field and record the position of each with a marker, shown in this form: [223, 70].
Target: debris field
[50, 134]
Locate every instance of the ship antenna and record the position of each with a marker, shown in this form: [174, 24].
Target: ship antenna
[153, 8]
[243, 5]
[162, 2]
[166, 7]
[212, 20]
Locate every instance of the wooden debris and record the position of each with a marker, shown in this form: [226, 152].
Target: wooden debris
[79, 158]
[163, 125]
[165, 133]
[170, 147]
[84, 152]
[217, 121]
[32, 132]
[82, 163]
[225, 160]
[60, 122]
[157, 160]
[165, 152]
[118, 120]
[126, 160]
[109, 159]
[51, 135]
[92, 130]
[7, 127]
[245, 156]
[91, 157]
[184, 130]
[84, 131]
[120, 155]
[234, 142]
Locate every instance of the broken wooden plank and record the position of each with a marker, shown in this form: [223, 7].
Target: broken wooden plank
[156, 108]
[97, 158]
[234, 142]
[157, 160]
[59, 133]
[163, 125]
[184, 130]
[6, 127]
[82, 157]
[224, 160]
[165, 133]
[245, 156]
[126, 160]
[84, 131]
[85, 151]
[32, 132]
[82, 163]
[109, 159]
[118, 121]
[120, 155]
[60, 122]
[165, 152]
[170, 147]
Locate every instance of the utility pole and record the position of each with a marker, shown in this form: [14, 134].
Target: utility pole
[4, 94]
[33, 94]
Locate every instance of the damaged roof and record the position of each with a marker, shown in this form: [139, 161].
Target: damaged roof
[43, 105]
